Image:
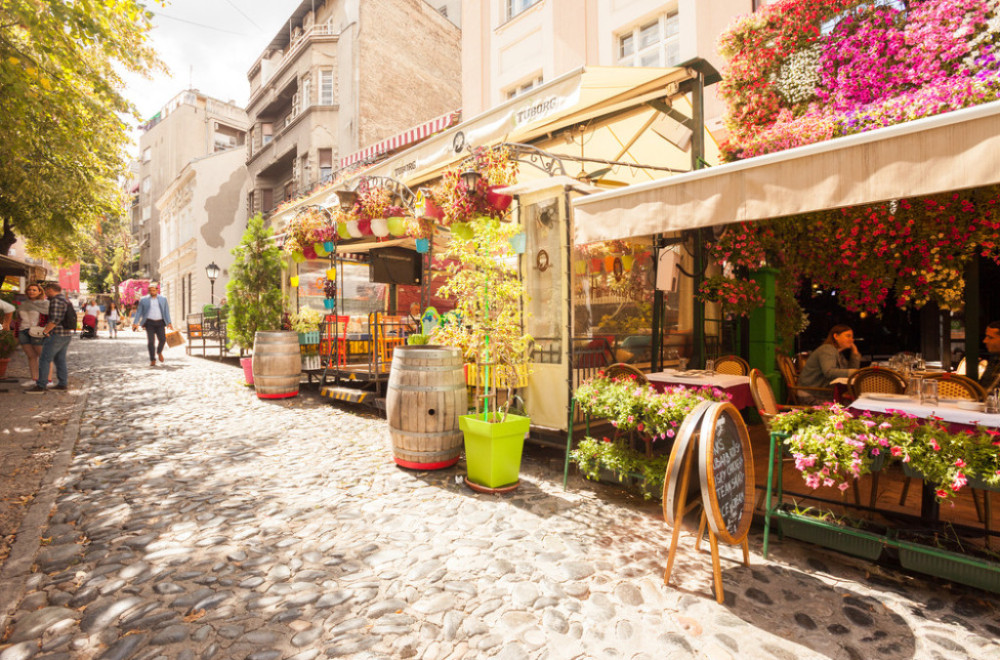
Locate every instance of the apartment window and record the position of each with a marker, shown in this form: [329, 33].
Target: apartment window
[267, 199]
[267, 132]
[147, 213]
[656, 43]
[524, 88]
[515, 7]
[305, 92]
[250, 207]
[289, 190]
[147, 154]
[147, 184]
[325, 164]
[326, 87]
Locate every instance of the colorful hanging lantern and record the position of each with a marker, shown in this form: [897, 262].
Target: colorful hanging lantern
[331, 274]
[423, 245]
[627, 261]
[294, 281]
[353, 230]
[380, 227]
[595, 264]
[298, 257]
[320, 250]
[580, 266]
[609, 263]
[342, 230]
[328, 246]
[397, 225]
[365, 226]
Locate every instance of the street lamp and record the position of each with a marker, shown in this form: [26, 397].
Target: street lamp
[212, 270]
[347, 199]
[471, 179]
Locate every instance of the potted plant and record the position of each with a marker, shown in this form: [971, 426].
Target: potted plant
[484, 279]
[306, 322]
[254, 289]
[8, 344]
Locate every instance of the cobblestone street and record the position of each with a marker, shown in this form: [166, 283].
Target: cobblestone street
[196, 521]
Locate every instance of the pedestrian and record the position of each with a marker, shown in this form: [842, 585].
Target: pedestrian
[111, 318]
[6, 314]
[32, 315]
[58, 331]
[153, 314]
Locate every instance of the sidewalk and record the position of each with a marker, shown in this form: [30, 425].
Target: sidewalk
[193, 520]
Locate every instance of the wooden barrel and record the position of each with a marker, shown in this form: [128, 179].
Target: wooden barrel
[425, 397]
[277, 364]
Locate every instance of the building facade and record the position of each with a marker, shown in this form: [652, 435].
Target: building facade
[202, 215]
[342, 75]
[190, 126]
[510, 47]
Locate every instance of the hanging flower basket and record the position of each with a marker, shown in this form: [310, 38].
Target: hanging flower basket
[499, 202]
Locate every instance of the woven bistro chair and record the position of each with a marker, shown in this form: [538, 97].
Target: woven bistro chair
[957, 386]
[960, 369]
[763, 397]
[620, 369]
[787, 368]
[732, 365]
[876, 380]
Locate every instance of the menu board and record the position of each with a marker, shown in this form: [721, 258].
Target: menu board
[726, 470]
[687, 437]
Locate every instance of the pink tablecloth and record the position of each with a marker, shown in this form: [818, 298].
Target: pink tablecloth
[737, 387]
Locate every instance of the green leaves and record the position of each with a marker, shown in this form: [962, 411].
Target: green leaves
[62, 115]
[254, 289]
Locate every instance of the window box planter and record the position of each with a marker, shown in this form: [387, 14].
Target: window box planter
[950, 565]
[849, 540]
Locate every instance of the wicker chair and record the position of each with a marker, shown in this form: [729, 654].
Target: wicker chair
[732, 365]
[877, 380]
[787, 368]
[960, 369]
[763, 397]
[957, 386]
[619, 369]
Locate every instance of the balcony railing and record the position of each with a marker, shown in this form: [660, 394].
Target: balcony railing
[297, 45]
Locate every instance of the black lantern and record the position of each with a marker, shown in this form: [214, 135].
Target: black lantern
[471, 179]
[212, 270]
[347, 199]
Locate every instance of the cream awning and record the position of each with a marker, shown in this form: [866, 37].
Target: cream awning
[952, 151]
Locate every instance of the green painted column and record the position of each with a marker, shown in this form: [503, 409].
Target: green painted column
[763, 329]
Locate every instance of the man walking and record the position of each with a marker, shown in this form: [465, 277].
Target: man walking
[153, 314]
[57, 338]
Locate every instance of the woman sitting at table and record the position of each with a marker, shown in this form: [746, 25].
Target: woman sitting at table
[837, 357]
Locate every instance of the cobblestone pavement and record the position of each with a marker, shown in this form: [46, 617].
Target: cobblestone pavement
[196, 521]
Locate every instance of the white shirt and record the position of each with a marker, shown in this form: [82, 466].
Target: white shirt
[6, 307]
[93, 310]
[155, 312]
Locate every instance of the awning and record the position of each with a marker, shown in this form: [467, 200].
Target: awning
[952, 151]
[585, 94]
[404, 139]
[15, 267]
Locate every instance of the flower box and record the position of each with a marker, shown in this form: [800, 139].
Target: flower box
[848, 540]
[950, 565]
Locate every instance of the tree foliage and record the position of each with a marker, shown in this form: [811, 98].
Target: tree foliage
[107, 254]
[62, 116]
[254, 290]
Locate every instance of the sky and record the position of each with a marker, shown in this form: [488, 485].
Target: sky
[208, 45]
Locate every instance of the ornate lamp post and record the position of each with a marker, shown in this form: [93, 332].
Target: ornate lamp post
[212, 270]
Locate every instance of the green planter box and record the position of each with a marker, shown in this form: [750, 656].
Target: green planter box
[493, 449]
[842, 539]
[949, 565]
[308, 338]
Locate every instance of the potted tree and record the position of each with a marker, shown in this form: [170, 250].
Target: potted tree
[8, 344]
[253, 293]
[485, 281]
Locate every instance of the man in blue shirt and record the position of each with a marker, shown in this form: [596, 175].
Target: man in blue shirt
[153, 314]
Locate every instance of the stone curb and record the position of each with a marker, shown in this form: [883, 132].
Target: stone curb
[17, 567]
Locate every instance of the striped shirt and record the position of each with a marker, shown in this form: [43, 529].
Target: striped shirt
[57, 309]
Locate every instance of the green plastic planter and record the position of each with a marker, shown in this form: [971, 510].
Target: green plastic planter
[950, 565]
[848, 540]
[493, 449]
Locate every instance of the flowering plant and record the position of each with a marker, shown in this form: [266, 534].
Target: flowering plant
[832, 446]
[636, 411]
[461, 204]
[310, 225]
[738, 296]
[130, 291]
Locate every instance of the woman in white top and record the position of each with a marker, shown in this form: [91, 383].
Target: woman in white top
[111, 318]
[32, 314]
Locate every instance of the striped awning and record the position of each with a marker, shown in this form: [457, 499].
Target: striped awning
[406, 138]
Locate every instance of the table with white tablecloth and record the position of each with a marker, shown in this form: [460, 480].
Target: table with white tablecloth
[737, 387]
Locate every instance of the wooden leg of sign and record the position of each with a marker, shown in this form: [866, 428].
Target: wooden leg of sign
[716, 568]
[746, 552]
[701, 531]
[678, 515]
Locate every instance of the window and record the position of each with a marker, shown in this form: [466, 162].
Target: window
[518, 90]
[250, 207]
[267, 132]
[325, 164]
[267, 199]
[147, 154]
[289, 190]
[305, 92]
[326, 87]
[147, 184]
[515, 7]
[656, 43]
[147, 213]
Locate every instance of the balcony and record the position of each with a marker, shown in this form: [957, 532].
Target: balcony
[322, 32]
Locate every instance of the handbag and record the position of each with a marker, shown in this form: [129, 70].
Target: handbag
[175, 338]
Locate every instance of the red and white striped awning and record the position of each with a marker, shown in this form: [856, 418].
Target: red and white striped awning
[404, 139]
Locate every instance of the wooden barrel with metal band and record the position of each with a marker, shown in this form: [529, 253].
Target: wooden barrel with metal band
[277, 364]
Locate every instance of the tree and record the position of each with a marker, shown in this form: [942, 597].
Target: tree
[61, 116]
[108, 250]
[254, 290]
